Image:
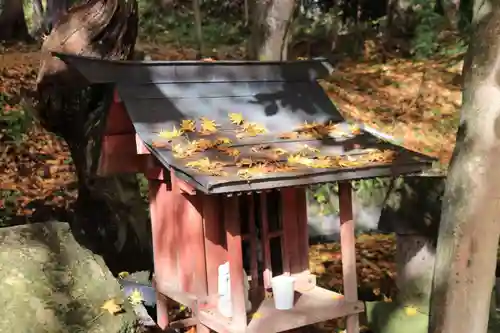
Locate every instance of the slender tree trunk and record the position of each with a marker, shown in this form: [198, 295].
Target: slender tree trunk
[271, 21]
[12, 23]
[470, 223]
[451, 10]
[197, 26]
[37, 18]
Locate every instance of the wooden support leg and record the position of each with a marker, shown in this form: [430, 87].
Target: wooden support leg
[268, 270]
[163, 264]
[234, 249]
[348, 249]
[188, 208]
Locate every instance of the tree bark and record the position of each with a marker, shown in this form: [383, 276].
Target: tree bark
[109, 210]
[470, 225]
[37, 17]
[271, 21]
[197, 26]
[451, 10]
[412, 210]
[12, 23]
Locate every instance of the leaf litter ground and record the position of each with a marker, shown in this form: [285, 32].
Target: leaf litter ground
[416, 102]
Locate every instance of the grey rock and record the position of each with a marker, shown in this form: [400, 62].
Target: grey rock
[50, 283]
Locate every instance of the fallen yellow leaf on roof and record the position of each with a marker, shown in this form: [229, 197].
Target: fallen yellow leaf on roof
[135, 297]
[188, 125]
[208, 126]
[169, 135]
[236, 118]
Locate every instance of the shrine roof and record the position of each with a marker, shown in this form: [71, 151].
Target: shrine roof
[274, 124]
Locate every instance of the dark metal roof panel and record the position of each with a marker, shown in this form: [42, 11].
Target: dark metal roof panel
[138, 72]
[278, 96]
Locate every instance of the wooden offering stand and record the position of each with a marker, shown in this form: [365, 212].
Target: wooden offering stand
[259, 225]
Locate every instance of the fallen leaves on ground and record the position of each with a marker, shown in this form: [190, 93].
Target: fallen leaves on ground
[37, 180]
[112, 307]
[375, 266]
[417, 102]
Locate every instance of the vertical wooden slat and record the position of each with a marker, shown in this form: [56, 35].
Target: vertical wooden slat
[291, 255]
[183, 227]
[302, 230]
[348, 250]
[268, 271]
[235, 254]
[216, 253]
[164, 265]
[254, 273]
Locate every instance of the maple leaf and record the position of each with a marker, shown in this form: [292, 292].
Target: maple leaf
[223, 141]
[311, 149]
[135, 297]
[203, 144]
[181, 152]
[112, 306]
[236, 118]
[204, 165]
[322, 163]
[248, 162]
[258, 148]
[169, 135]
[208, 126]
[279, 151]
[233, 152]
[250, 129]
[299, 159]
[244, 173]
[188, 125]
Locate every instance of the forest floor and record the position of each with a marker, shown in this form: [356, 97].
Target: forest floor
[416, 102]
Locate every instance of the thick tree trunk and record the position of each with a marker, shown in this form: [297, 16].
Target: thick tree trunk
[108, 208]
[12, 23]
[470, 223]
[271, 21]
[412, 210]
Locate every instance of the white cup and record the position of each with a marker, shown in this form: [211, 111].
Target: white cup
[283, 291]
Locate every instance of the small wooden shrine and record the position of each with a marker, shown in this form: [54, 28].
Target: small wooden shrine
[228, 149]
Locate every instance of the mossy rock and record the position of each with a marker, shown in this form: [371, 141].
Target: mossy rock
[50, 283]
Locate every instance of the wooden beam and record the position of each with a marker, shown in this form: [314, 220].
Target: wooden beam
[348, 250]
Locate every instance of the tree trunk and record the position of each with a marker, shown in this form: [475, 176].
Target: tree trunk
[470, 225]
[271, 21]
[37, 17]
[55, 10]
[451, 10]
[108, 208]
[412, 210]
[197, 26]
[12, 23]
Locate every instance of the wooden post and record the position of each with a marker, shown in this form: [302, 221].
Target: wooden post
[235, 254]
[348, 249]
[161, 225]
